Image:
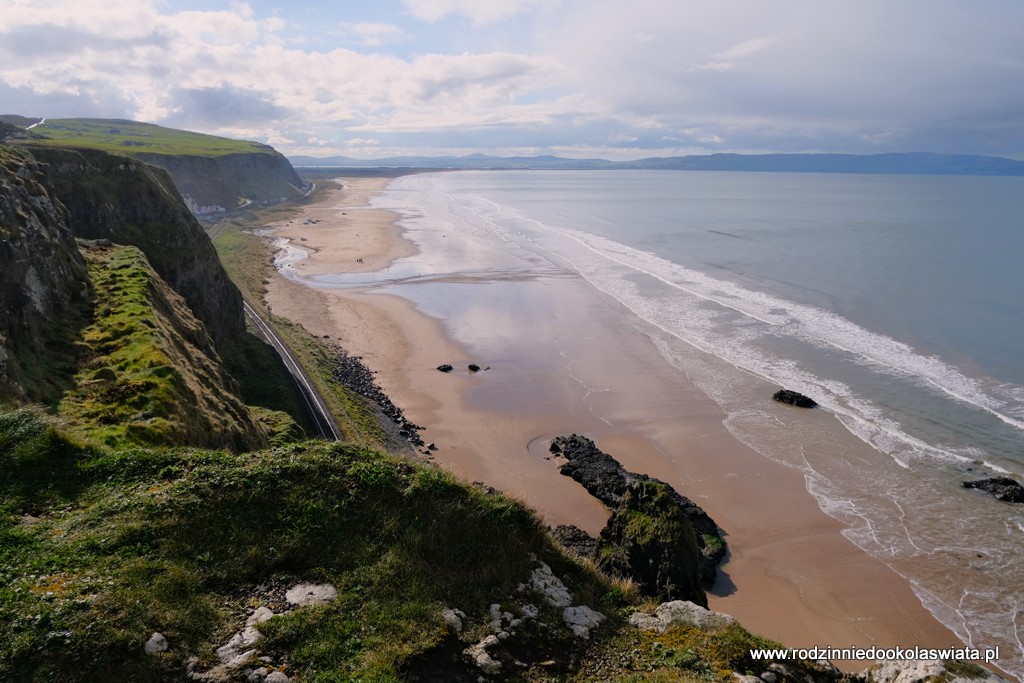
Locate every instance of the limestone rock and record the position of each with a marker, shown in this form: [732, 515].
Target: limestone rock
[305, 594]
[549, 586]
[454, 618]
[156, 643]
[482, 658]
[581, 619]
[680, 613]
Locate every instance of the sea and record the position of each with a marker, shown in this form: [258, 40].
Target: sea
[894, 301]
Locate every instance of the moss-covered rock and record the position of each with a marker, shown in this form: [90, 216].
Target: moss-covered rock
[650, 540]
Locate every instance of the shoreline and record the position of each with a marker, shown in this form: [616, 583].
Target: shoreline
[791, 576]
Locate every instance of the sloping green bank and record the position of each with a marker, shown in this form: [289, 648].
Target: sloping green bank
[150, 373]
[98, 549]
[101, 548]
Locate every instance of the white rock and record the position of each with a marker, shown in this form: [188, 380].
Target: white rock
[277, 677]
[156, 643]
[305, 594]
[680, 613]
[549, 586]
[261, 615]
[581, 619]
[482, 658]
[258, 676]
[452, 618]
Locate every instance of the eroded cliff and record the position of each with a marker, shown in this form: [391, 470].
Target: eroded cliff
[44, 287]
[212, 185]
[131, 202]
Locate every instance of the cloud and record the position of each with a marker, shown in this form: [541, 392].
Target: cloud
[370, 34]
[210, 107]
[661, 75]
[477, 11]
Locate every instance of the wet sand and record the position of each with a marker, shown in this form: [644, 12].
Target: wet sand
[581, 366]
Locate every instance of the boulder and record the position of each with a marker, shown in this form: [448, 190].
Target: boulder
[156, 643]
[581, 619]
[650, 539]
[473, 367]
[304, 594]
[794, 399]
[680, 613]
[445, 367]
[605, 479]
[1003, 488]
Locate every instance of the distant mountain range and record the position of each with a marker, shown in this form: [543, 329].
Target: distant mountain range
[899, 163]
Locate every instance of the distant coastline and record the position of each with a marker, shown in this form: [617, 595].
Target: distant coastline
[909, 163]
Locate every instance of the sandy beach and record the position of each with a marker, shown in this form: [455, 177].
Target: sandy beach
[792, 576]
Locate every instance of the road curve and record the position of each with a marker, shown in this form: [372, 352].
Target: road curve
[314, 403]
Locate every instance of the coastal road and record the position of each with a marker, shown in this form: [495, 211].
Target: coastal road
[315, 404]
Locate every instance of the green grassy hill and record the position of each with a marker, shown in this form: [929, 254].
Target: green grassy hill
[213, 174]
[131, 137]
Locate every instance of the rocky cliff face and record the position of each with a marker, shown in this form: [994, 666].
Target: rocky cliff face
[44, 286]
[131, 202]
[216, 184]
[103, 339]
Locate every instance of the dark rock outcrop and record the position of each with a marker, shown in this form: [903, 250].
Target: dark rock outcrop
[130, 202]
[576, 540]
[44, 285]
[650, 539]
[794, 399]
[649, 520]
[1003, 488]
[445, 368]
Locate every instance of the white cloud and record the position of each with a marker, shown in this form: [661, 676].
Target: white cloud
[477, 11]
[846, 75]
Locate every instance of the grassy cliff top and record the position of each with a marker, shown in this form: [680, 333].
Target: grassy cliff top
[132, 138]
[100, 548]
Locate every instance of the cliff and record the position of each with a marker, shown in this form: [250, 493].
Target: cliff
[98, 335]
[44, 286]
[213, 174]
[131, 202]
[217, 184]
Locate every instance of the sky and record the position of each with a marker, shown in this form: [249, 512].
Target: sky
[575, 78]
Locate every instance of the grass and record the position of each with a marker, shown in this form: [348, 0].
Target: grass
[128, 137]
[680, 654]
[124, 543]
[150, 374]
